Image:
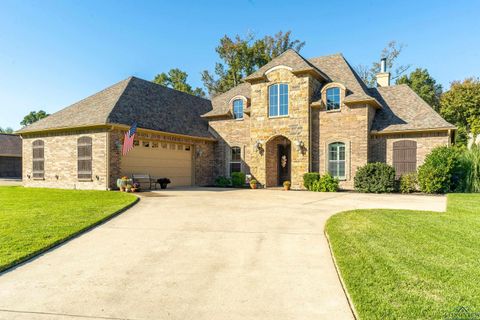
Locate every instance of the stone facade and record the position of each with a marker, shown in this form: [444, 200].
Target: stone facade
[60, 164]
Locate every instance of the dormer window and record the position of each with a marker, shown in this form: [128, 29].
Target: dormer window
[238, 109]
[333, 98]
[278, 100]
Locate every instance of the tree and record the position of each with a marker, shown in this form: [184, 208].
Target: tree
[243, 56]
[33, 116]
[177, 79]
[461, 106]
[424, 85]
[6, 130]
[391, 53]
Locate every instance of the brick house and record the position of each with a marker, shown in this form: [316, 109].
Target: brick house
[293, 115]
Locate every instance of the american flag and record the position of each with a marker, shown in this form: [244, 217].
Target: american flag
[128, 140]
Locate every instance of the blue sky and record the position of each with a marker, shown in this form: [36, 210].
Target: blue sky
[54, 53]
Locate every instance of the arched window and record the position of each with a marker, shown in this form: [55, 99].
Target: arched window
[333, 98]
[238, 109]
[278, 100]
[235, 159]
[404, 156]
[336, 160]
[38, 156]
[84, 158]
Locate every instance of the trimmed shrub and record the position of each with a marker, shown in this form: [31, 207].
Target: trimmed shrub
[441, 171]
[238, 179]
[375, 177]
[309, 178]
[326, 183]
[223, 182]
[470, 162]
[408, 182]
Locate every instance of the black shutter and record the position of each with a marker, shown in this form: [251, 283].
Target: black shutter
[404, 157]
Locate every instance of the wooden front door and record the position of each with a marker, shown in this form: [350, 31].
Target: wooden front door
[404, 157]
[284, 163]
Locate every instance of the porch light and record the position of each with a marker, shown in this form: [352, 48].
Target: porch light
[258, 146]
[199, 152]
[300, 145]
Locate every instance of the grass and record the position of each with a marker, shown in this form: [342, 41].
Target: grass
[33, 220]
[399, 264]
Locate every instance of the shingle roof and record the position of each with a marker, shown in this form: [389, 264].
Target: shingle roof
[10, 145]
[289, 58]
[339, 70]
[220, 103]
[404, 110]
[151, 105]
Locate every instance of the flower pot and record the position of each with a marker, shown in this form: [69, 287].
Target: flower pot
[253, 185]
[163, 185]
[286, 188]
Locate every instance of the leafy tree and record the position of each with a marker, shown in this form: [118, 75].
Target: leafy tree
[424, 85]
[6, 130]
[461, 106]
[243, 56]
[33, 116]
[391, 53]
[177, 79]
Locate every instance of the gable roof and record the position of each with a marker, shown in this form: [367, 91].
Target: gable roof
[220, 103]
[151, 105]
[404, 110]
[10, 145]
[337, 68]
[289, 58]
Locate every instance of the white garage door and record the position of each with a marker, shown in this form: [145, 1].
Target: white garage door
[160, 160]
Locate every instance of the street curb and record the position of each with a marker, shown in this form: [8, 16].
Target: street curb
[339, 275]
[58, 243]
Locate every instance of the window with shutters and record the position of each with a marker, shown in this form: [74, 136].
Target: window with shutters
[38, 152]
[84, 157]
[404, 157]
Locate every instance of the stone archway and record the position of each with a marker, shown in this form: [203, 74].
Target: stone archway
[278, 158]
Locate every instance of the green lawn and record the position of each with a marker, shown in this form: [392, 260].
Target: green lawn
[400, 264]
[32, 220]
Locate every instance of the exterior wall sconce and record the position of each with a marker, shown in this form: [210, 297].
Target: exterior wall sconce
[258, 146]
[199, 152]
[56, 176]
[97, 177]
[28, 176]
[300, 146]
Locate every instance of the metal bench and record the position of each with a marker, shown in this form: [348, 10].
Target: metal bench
[144, 178]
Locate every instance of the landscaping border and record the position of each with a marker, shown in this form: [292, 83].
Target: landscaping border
[9, 267]
[339, 275]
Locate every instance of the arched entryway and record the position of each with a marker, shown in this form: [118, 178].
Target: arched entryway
[278, 161]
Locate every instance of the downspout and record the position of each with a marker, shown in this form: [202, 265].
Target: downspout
[107, 160]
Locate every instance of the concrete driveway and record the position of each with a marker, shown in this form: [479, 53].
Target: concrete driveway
[198, 254]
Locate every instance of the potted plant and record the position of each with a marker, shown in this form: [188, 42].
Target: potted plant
[128, 188]
[253, 184]
[122, 183]
[286, 185]
[136, 187]
[163, 182]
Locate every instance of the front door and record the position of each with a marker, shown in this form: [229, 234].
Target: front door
[283, 163]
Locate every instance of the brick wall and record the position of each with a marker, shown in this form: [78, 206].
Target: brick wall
[60, 153]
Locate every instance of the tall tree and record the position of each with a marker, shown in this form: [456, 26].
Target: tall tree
[424, 85]
[177, 79]
[6, 130]
[391, 52]
[33, 116]
[242, 56]
[461, 106]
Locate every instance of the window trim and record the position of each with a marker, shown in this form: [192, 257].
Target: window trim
[38, 144]
[85, 141]
[346, 162]
[278, 100]
[233, 109]
[231, 161]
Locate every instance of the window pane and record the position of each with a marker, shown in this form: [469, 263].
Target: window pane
[336, 159]
[273, 100]
[236, 154]
[235, 167]
[333, 98]
[283, 100]
[238, 109]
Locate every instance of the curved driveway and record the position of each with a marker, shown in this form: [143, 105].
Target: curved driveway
[198, 254]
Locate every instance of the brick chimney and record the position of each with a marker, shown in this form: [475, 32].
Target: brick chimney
[383, 77]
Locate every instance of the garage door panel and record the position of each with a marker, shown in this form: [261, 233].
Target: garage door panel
[172, 163]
